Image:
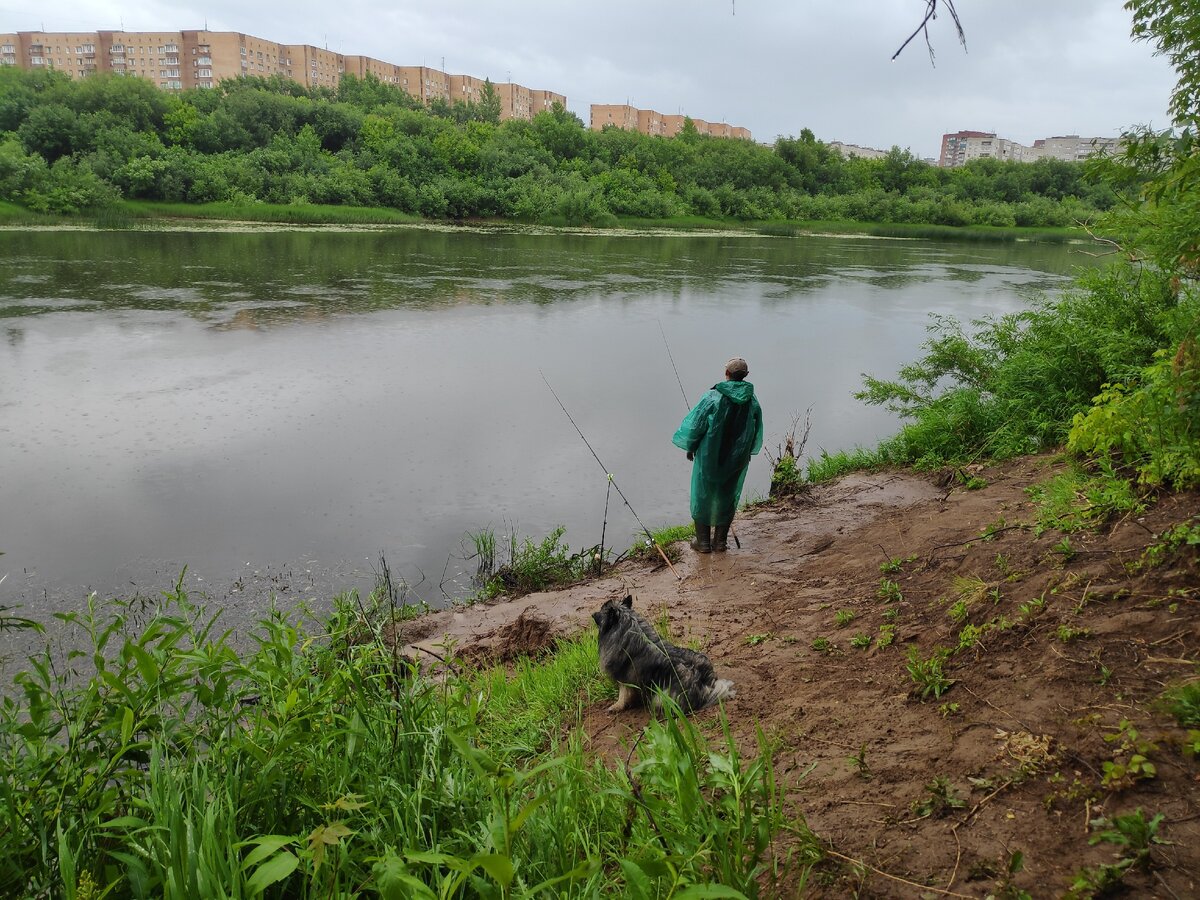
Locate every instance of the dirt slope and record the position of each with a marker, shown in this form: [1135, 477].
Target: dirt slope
[937, 794]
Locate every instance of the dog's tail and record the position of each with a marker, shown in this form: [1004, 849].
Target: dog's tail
[721, 689]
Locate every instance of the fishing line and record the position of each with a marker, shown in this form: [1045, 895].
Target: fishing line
[672, 359]
[611, 479]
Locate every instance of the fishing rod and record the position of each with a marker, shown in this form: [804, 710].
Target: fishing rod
[672, 359]
[733, 531]
[611, 479]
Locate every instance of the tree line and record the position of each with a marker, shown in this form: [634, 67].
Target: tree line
[69, 146]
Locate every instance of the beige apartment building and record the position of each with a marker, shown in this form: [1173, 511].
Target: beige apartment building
[621, 115]
[516, 102]
[851, 150]
[466, 88]
[963, 146]
[424, 83]
[179, 60]
[545, 100]
[648, 121]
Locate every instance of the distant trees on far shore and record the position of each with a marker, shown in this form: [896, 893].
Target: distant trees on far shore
[67, 146]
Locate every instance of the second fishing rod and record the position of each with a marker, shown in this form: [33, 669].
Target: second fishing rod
[611, 480]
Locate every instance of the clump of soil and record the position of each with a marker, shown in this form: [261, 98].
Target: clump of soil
[997, 775]
[529, 635]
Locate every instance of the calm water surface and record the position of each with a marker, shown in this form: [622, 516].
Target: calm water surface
[273, 410]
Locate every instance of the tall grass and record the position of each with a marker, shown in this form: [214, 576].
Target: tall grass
[531, 566]
[291, 213]
[916, 230]
[155, 761]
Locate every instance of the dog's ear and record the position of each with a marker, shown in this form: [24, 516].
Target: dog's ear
[628, 601]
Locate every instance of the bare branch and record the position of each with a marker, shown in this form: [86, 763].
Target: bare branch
[1116, 247]
[931, 13]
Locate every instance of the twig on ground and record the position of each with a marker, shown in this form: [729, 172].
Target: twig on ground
[957, 858]
[880, 872]
[997, 708]
[978, 537]
[1166, 887]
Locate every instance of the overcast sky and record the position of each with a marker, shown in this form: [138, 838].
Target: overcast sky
[1032, 68]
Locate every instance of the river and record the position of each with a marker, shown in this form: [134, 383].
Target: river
[273, 409]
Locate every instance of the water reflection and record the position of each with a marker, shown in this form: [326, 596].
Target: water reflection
[297, 401]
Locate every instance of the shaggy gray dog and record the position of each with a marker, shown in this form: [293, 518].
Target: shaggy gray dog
[643, 664]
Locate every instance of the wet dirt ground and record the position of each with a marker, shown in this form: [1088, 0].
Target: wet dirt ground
[938, 796]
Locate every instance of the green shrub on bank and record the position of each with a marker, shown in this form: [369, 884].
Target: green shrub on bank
[156, 760]
[1012, 385]
[1151, 423]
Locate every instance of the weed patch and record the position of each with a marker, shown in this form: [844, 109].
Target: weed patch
[929, 675]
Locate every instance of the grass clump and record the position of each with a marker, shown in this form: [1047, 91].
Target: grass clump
[530, 567]
[158, 760]
[1134, 836]
[1183, 702]
[1079, 499]
[666, 538]
[929, 675]
[889, 591]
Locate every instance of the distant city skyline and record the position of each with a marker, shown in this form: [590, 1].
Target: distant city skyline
[772, 66]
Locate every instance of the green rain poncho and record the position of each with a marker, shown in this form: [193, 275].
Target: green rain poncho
[723, 430]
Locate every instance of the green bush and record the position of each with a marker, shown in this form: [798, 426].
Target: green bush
[1014, 384]
[1150, 423]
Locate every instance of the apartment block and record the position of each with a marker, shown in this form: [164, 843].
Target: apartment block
[621, 115]
[672, 125]
[648, 121]
[545, 100]
[179, 60]
[424, 83]
[963, 146]
[516, 102]
[1071, 147]
[171, 60]
[465, 89]
[851, 150]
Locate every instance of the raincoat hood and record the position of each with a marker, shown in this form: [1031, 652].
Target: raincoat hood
[737, 391]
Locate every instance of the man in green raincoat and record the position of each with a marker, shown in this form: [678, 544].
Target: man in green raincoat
[720, 434]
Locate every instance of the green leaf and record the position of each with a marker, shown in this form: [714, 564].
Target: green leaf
[125, 822]
[709, 890]
[277, 868]
[437, 859]
[528, 808]
[145, 663]
[394, 882]
[637, 883]
[266, 845]
[499, 867]
[127, 725]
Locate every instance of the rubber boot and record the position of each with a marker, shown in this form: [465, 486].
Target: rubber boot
[720, 538]
[703, 542]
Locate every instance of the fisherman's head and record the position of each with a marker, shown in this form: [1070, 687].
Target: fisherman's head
[736, 369]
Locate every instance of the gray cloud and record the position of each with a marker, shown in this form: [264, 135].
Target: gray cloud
[1031, 69]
